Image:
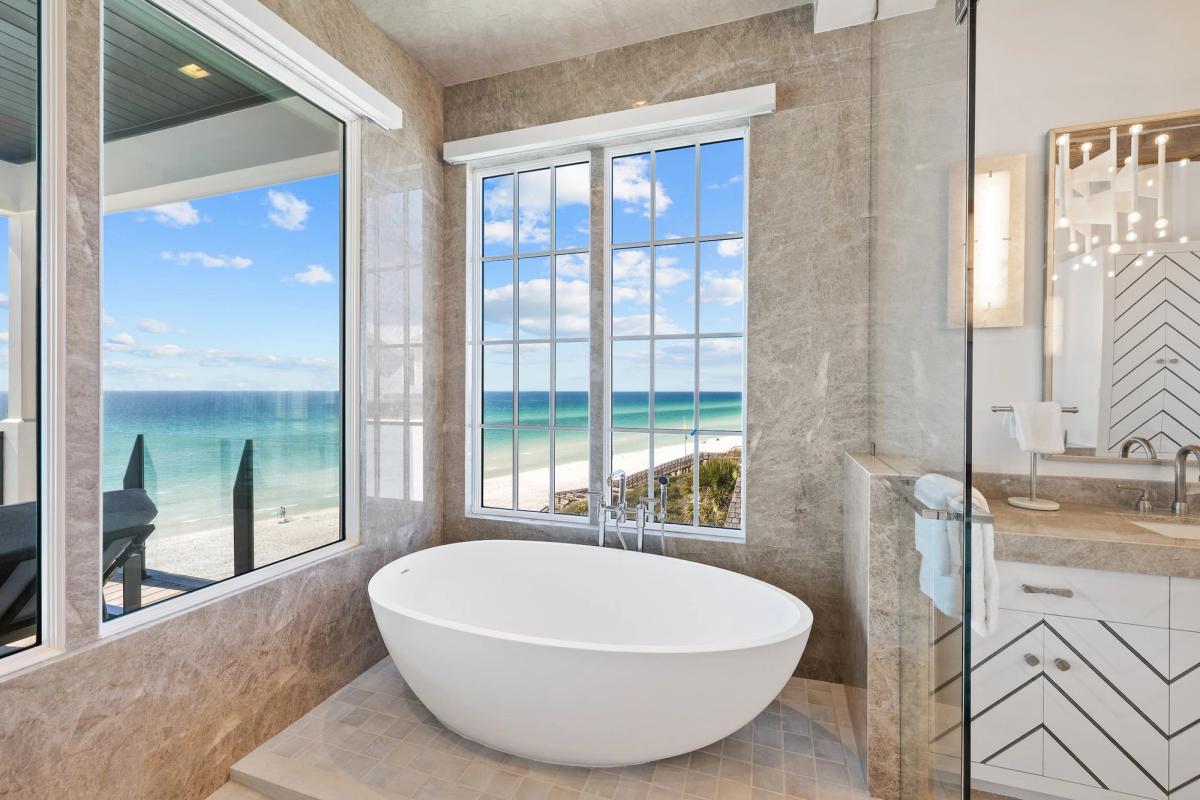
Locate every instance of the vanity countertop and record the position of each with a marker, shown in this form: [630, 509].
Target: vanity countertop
[1092, 537]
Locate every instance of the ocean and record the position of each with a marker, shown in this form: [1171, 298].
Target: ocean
[673, 411]
[194, 442]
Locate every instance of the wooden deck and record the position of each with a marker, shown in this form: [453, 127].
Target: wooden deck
[156, 587]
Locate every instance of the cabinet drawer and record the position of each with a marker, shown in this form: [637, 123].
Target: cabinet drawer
[1112, 596]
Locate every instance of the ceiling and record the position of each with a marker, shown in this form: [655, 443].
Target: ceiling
[462, 40]
[143, 88]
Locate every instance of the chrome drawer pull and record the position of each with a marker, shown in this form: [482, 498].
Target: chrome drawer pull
[1027, 589]
[1062, 664]
[1032, 660]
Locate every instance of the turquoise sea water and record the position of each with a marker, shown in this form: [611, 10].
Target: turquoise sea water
[674, 416]
[194, 443]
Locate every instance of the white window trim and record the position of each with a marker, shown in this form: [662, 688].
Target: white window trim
[475, 177]
[253, 32]
[743, 133]
[52, 606]
[273, 46]
[722, 108]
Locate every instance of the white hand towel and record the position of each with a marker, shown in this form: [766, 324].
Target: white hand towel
[1037, 427]
[942, 563]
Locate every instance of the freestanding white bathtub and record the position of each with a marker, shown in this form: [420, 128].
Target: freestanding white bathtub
[574, 654]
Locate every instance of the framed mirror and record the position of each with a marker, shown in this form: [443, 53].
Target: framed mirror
[1122, 315]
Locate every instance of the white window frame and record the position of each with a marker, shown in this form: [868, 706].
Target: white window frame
[265, 41]
[474, 428]
[475, 179]
[695, 530]
[51, 222]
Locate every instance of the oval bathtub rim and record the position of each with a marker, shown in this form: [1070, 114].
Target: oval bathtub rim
[802, 627]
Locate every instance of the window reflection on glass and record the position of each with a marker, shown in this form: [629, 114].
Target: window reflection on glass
[674, 289]
[631, 199]
[722, 187]
[631, 292]
[222, 407]
[722, 286]
[675, 193]
[572, 201]
[19, 366]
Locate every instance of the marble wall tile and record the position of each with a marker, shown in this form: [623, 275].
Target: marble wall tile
[163, 711]
[919, 122]
[806, 272]
[81, 379]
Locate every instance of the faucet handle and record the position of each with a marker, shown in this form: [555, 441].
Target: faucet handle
[1141, 504]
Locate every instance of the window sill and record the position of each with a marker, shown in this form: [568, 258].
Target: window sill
[17, 663]
[176, 606]
[733, 537]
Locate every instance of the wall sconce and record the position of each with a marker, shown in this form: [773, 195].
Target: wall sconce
[999, 262]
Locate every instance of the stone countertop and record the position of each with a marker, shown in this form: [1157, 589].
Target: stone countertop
[1092, 537]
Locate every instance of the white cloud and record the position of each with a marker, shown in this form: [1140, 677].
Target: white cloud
[313, 275]
[730, 248]
[3, 336]
[108, 320]
[287, 211]
[177, 215]
[207, 261]
[631, 184]
[120, 342]
[3, 300]
[149, 325]
[722, 290]
[574, 265]
[573, 184]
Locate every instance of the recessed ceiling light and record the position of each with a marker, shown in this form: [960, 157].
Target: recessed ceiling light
[194, 71]
[640, 103]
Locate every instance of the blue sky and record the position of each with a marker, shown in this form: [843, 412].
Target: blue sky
[720, 264]
[234, 292]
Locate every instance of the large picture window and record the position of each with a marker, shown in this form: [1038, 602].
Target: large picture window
[223, 304]
[20, 368]
[674, 311]
[533, 359]
[676, 327]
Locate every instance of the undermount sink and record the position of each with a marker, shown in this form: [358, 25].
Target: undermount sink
[1175, 530]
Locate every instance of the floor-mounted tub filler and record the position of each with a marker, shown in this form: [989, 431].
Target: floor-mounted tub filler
[572, 654]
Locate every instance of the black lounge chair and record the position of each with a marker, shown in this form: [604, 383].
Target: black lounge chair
[18, 572]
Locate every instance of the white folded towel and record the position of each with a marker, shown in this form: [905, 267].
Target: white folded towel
[939, 543]
[1038, 427]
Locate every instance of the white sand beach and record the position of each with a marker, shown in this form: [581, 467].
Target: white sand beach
[209, 554]
[535, 483]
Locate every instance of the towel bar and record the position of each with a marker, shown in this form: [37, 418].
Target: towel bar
[1065, 409]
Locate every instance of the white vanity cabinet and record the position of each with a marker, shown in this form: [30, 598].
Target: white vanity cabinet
[1091, 687]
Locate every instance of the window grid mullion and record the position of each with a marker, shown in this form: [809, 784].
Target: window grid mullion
[653, 385]
[696, 355]
[553, 311]
[516, 334]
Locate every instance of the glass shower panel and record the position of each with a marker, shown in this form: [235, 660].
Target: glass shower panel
[909, 696]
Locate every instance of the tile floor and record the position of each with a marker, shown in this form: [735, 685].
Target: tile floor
[374, 739]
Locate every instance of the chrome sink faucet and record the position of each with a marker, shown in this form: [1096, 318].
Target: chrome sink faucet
[1138, 441]
[1180, 507]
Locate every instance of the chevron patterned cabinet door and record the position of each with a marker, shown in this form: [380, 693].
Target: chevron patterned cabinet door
[1152, 352]
[1006, 694]
[1185, 715]
[1107, 705]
